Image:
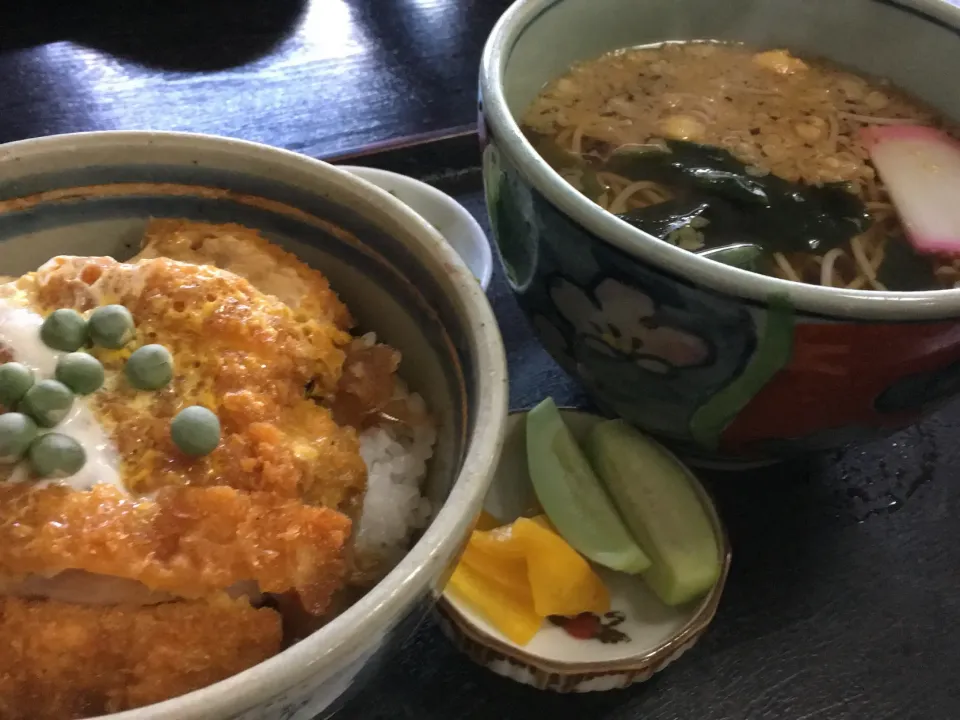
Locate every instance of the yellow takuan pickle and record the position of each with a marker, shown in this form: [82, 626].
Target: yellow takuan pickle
[498, 542]
[561, 581]
[514, 618]
[508, 571]
[517, 575]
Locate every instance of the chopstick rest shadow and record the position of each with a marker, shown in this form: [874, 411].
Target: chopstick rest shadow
[203, 35]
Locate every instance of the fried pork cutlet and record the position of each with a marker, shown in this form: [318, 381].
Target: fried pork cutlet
[267, 511]
[62, 661]
[369, 371]
[237, 352]
[189, 542]
[127, 592]
[244, 252]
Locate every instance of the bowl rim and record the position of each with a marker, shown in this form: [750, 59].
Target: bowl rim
[690, 268]
[478, 238]
[698, 623]
[363, 626]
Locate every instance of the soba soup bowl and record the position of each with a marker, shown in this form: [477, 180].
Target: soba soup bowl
[92, 194]
[727, 366]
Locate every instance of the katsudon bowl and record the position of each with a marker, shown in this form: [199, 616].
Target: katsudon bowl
[201, 214]
[725, 365]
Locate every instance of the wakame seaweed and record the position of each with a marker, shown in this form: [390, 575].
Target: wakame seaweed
[733, 205]
[664, 219]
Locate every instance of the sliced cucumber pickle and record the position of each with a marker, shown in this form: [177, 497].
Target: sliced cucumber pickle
[657, 500]
[572, 496]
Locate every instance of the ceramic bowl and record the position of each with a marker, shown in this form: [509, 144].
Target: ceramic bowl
[637, 638]
[725, 365]
[91, 194]
[446, 215]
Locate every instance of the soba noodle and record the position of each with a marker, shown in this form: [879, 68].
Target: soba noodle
[796, 119]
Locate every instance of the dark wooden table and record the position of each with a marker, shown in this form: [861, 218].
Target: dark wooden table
[320, 77]
[845, 589]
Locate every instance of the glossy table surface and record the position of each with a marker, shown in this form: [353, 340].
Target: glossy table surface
[320, 77]
[845, 587]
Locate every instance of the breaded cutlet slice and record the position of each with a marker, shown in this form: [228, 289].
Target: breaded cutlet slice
[245, 252]
[190, 542]
[61, 662]
[369, 373]
[238, 352]
[270, 504]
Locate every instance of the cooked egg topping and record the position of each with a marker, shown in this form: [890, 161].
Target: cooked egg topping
[205, 338]
[230, 394]
[224, 470]
[81, 449]
[244, 252]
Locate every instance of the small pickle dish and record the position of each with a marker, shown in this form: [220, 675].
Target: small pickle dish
[588, 571]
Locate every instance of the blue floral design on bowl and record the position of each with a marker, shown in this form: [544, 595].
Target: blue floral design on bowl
[723, 364]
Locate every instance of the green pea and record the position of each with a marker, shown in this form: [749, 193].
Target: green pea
[15, 380]
[111, 326]
[150, 367]
[47, 402]
[17, 431]
[195, 430]
[54, 455]
[64, 329]
[80, 372]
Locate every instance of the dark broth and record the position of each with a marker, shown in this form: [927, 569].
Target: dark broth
[754, 156]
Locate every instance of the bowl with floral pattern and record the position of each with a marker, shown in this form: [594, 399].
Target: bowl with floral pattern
[637, 638]
[93, 195]
[727, 366]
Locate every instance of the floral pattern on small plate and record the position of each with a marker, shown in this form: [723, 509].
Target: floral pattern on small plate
[638, 637]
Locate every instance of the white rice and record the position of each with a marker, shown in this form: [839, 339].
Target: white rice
[394, 506]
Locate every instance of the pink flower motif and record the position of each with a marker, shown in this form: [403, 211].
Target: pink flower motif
[621, 323]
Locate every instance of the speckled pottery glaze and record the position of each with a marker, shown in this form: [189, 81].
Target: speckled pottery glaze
[728, 367]
[639, 636]
[92, 194]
